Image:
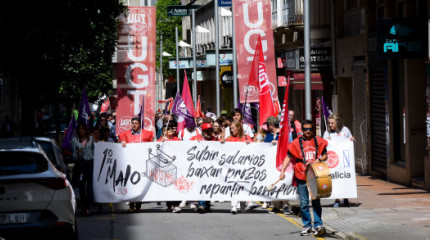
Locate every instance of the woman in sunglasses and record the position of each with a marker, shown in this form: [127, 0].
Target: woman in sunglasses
[169, 133]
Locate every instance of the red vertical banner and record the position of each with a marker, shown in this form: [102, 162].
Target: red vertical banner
[136, 67]
[253, 18]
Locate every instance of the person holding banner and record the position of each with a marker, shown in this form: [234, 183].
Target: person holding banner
[237, 135]
[169, 133]
[337, 131]
[238, 116]
[207, 135]
[306, 150]
[135, 135]
[272, 136]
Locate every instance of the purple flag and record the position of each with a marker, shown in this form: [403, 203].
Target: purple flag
[84, 109]
[325, 108]
[247, 114]
[179, 108]
[71, 130]
[142, 113]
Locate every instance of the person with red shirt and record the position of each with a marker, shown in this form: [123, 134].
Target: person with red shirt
[237, 134]
[306, 150]
[207, 135]
[169, 133]
[135, 135]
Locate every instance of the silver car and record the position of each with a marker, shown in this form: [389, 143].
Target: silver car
[36, 199]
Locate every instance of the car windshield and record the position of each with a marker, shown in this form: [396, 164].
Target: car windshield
[13, 163]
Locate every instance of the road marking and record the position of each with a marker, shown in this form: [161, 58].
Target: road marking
[292, 221]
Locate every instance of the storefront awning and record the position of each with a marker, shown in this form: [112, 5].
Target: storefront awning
[316, 81]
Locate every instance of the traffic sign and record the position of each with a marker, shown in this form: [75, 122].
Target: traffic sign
[180, 10]
[224, 3]
[177, 11]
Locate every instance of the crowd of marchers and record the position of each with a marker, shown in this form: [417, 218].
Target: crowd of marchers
[221, 128]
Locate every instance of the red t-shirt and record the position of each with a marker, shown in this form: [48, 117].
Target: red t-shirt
[200, 138]
[237, 139]
[308, 147]
[172, 139]
[144, 136]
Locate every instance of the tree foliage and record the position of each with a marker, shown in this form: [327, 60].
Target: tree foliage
[59, 46]
[166, 28]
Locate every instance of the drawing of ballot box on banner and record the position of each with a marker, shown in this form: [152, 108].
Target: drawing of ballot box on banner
[159, 168]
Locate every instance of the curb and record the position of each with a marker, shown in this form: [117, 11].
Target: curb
[295, 209]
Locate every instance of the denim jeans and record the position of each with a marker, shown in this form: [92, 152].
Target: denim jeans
[304, 206]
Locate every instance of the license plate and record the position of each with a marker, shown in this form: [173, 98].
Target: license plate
[13, 218]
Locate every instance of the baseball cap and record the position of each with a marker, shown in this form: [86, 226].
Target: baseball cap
[272, 119]
[206, 126]
[211, 115]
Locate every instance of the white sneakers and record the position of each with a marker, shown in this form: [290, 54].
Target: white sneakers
[264, 205]
[177, 210]
[233, 210]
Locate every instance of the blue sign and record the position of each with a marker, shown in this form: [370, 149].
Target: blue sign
[224, 3]
[402, 38]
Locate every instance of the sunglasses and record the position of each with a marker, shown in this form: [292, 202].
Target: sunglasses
[307, 129]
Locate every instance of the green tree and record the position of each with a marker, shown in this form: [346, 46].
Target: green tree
[166, 28]
[55, 48]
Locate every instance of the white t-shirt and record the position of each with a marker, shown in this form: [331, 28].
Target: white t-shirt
[187, 135]
[246, 128]
[344, 133]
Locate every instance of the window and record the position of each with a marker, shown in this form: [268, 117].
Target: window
[13, 163]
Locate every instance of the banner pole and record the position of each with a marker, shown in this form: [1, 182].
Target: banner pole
[177, 60]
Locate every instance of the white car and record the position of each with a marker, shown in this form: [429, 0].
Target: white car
[36, 200]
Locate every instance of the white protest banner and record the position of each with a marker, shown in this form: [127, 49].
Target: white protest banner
[341, 162]
[193, 171]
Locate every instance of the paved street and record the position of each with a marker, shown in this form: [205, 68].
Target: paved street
[155, 223]
[383, 210]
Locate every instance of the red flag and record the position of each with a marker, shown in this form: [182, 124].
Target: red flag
[259, 73]
[167, 100]
[186, 96]
[199, 109]
[105, 105]
[284, 133]
[277, 107]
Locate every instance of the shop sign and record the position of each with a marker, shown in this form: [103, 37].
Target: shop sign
[201, 63]
[402, 38]
[225, 59]
[182, 64]
[320, 57]
[226, 76]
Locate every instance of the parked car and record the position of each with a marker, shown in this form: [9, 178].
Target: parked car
[53, 151]
[36, 199]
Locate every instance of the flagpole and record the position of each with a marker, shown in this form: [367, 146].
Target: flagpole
[235, 87]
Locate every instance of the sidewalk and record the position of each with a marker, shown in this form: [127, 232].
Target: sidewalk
[383, 210]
